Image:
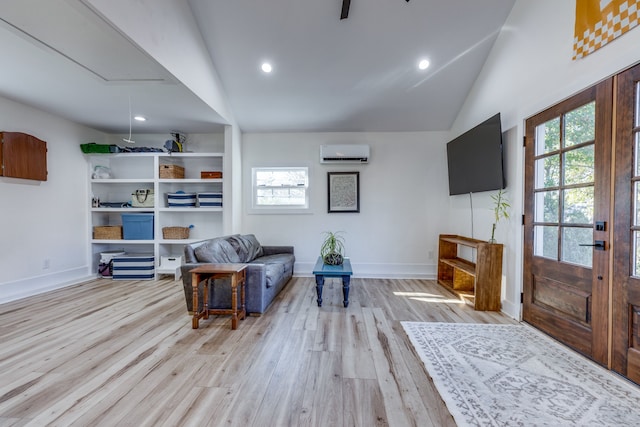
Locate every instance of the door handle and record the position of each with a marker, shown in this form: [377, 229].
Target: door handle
[599, 245]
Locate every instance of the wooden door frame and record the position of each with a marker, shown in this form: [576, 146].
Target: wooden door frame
[624, 358]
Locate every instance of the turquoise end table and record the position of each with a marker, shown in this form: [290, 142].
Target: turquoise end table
[321, 270]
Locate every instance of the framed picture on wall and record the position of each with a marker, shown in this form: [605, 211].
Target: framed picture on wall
[344, 191]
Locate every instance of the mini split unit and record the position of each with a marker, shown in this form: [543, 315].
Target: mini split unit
[349, 153]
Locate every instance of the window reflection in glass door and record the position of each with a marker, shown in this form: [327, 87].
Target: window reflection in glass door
[564, 187]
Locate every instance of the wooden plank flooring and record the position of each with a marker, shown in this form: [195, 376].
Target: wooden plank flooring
[120, 353]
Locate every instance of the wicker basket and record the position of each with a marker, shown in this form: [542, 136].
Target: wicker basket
[175, 232]
[171, 172]
[107, 232]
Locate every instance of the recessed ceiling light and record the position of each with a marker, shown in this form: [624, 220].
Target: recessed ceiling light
[140, 118]
[266, 67]
[423, 64]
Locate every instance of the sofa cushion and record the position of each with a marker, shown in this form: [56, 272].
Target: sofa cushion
[246, 246]
[275, 266]
[216, 251]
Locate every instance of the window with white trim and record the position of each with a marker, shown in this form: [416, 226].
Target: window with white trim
[280, 188]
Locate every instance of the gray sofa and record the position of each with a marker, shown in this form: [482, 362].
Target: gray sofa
[268, 271]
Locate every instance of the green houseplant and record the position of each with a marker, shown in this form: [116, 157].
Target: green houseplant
[501, 208]
[332, 249]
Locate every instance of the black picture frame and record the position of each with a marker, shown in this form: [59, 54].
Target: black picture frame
[343, 192]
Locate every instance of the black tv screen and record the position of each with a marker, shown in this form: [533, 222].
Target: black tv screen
[475, 159]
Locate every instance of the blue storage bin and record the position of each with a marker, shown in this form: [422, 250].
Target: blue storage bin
[137, 226]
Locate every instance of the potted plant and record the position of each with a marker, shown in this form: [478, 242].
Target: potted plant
[501, 207]
[332, 249]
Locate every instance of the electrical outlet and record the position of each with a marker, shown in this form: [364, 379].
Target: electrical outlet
[46, 264]
[430, 255]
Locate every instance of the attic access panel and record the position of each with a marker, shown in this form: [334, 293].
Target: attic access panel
[23, 156]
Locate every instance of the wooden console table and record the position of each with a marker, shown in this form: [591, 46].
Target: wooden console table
[478, 282]
[208, 272]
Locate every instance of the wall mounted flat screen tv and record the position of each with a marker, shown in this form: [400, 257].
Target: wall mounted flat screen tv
[475, 159]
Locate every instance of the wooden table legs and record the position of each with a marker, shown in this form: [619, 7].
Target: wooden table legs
[238, 278]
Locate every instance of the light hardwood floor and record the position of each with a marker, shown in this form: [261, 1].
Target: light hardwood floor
[120, 353]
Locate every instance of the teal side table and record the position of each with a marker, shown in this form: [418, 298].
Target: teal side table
[321, 270]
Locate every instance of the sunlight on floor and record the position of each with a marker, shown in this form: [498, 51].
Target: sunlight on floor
[425, 297]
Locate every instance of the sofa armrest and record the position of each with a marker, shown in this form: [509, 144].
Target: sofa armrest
[273, 250]
[185, 269]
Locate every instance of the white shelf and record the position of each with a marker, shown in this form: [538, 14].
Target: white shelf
[122, 181]
[187, 155]
[190, 181]
[189, 209]
[124, 210]
[122, 242]
[131, 171]
[178, 241]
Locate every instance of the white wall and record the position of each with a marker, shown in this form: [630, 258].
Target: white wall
[44, 221]
[403, 190]
[529, 69]
[232, 180]
[47, 222]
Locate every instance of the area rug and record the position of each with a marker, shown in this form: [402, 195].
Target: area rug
[514, 375]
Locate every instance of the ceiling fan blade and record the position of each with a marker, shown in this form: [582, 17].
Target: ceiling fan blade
[345, 9]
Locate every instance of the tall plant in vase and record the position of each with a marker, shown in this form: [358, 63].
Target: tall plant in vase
[501, 208]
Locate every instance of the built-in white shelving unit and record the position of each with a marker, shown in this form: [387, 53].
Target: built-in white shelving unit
[132, 171]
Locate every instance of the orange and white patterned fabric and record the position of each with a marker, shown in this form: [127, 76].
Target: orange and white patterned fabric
[600, 21]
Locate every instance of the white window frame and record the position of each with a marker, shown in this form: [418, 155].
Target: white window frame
[278, 208]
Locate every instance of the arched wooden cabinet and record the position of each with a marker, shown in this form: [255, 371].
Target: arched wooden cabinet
[23, 156]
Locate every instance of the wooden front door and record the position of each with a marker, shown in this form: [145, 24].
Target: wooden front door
[567, 225]
[626, 267]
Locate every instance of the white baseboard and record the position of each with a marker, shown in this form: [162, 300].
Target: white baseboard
[12, 291]
[510, 309]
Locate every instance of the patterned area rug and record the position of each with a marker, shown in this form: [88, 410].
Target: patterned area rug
[514, 375]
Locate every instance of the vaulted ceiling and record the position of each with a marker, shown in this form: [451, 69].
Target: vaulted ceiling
[355, 74]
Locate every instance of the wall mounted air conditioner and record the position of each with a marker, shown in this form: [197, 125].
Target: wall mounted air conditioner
[344, 153]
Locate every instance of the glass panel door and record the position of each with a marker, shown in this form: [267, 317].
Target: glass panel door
[564, 183]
